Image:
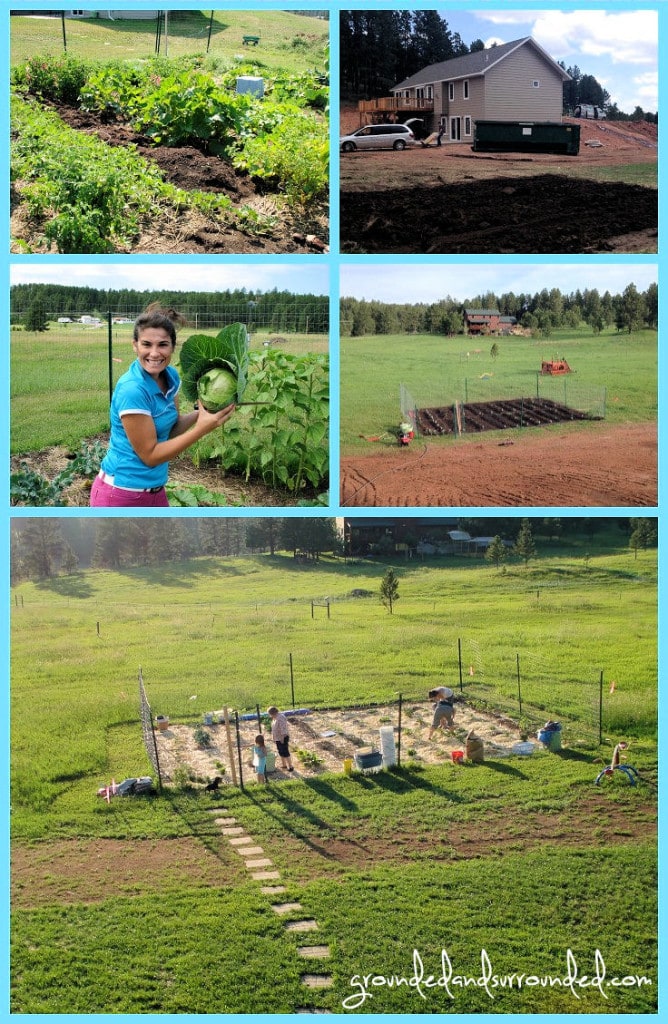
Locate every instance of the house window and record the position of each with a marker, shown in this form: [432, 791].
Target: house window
[467, 126]
[535, 84]
[465, 88]
[451, 90]
[430, 92]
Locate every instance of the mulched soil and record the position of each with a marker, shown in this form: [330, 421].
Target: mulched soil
[542, 214]
[193, 170]
[335, 735]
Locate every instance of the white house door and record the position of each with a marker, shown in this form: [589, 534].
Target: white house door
[455, 129]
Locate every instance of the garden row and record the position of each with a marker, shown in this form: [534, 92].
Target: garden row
[94, 197]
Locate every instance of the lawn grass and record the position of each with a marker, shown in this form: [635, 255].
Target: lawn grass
[380, 862]
[68, 401]
[438, 371]
[645, 174]
[106, 40]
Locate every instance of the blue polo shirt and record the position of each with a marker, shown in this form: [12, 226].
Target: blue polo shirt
[137, 392]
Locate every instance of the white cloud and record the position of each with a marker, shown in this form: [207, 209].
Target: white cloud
[629, 37]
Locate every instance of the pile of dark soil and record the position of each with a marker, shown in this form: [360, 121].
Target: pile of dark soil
[541, 214]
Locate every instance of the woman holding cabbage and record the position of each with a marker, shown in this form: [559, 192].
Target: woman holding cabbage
[147, 427]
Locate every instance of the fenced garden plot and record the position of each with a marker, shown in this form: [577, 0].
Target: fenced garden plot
[615, 376]
[127, 189]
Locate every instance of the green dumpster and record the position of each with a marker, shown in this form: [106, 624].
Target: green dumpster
[527, 136]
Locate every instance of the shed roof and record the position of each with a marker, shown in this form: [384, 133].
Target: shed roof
[473, 64]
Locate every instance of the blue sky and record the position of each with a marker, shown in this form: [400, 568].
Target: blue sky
[618, 47]
[428, 282]
[302, 279]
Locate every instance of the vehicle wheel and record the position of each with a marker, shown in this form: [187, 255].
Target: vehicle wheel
[348, 147]
[399, 144]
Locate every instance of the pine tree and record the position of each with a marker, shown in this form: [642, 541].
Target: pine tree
[496, 552]
[389, 590]
[524, 546]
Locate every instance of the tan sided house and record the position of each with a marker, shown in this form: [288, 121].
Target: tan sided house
[515, 81]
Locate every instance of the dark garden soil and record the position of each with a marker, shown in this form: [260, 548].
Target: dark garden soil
[597, 466]
[193, 170]
[452, 200]
[543, 214]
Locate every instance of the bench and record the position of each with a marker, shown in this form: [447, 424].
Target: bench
[251, 40]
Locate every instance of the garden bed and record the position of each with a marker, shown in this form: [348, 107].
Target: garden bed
[332, 736]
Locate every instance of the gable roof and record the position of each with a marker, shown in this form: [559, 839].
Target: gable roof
[473, 64]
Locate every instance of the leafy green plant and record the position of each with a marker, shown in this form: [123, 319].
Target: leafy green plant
[308, 758]
[202, 738]
[59, 78]
[27, 487]
[214, 370]
[194, 496]
[282, 439]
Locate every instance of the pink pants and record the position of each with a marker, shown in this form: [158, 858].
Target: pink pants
[104, 495]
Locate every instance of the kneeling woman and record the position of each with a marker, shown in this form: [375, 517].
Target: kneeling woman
[147, 428]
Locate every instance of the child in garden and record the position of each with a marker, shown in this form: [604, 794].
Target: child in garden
[260, 758]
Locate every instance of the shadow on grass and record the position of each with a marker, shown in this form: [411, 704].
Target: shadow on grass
[68, 586]
[403, 780]
[292, 806]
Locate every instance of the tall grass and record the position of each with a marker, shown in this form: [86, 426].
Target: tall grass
[436, 371]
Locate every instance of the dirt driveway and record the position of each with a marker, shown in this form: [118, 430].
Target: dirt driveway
[452, 200]
[603, 465]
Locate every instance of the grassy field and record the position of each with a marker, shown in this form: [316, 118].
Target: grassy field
[437, 371]
[142, 906]
[71, 402]
[281, 34]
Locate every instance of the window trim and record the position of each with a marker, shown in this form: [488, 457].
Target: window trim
[465, 89]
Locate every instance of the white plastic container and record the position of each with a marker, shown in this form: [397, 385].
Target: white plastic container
[387, 746]
[251, 84]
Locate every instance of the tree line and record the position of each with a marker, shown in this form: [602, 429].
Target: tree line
[277, 310]
[45, 548]
[379, 49]
[541, 313]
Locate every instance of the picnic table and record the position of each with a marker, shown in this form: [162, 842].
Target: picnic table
[251, 40]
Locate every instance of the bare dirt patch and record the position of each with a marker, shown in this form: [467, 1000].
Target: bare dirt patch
[603, 465]
[90, 871]
[333, 736]
[236, 491]
[449, 199]
[494, 835]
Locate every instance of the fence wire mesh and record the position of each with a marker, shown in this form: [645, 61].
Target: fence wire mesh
[148, 732]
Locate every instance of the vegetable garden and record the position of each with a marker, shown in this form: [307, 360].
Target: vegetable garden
[524, 858]
[274, 451]
[169, 154]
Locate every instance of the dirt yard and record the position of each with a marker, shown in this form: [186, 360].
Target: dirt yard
[452, 200]
[603, 465]
[191, 232]
[334, 735]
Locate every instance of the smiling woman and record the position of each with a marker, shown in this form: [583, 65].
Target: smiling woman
[147, 427]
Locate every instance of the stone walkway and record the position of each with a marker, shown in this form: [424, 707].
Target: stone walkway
[261, 869]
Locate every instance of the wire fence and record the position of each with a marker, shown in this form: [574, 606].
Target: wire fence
[148, 731]
[292, 318]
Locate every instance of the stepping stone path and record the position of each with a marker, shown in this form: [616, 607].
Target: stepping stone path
[245, 847]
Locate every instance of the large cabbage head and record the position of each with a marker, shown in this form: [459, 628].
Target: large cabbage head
[216, 389]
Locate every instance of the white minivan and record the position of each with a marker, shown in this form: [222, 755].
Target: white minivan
[378, 136]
